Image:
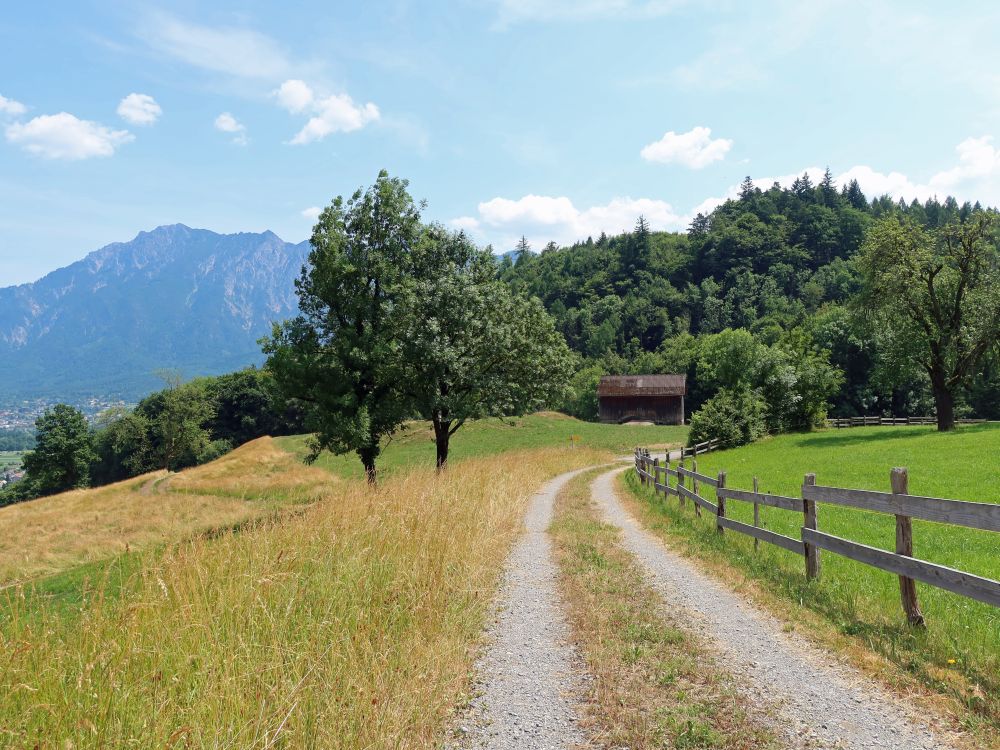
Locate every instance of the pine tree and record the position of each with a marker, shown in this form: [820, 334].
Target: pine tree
[747, 189]
[803, 187]
[522, 251]
[828, 189]
[855, 196]
[699, 225]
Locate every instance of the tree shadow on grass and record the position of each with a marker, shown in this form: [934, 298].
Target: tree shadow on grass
[844, 437]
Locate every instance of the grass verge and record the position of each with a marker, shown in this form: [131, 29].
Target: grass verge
[655, 684]
[349, 625]
[839, 613]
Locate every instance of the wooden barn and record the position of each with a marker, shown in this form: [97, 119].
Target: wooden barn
[642, 398]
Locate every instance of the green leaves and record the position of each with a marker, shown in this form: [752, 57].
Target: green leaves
[935, 295]
[399, 320]
[470, 346]
[63, 452]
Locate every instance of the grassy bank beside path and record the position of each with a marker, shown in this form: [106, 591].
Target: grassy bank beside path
[958, 653]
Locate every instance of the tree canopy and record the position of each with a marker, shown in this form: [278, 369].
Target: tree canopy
[470, 346]
[63, 452]
[784, 265]
[934, 294]
[401, 319]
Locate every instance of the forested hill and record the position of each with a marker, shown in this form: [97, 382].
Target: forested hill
[777, 262]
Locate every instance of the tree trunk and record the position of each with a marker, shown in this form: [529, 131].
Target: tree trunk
[368, 455]
[944, 404]
[442, 436]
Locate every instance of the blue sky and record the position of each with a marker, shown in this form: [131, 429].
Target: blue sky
[553, 119]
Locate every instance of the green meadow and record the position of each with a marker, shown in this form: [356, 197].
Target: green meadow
[961, 634]
[10, 460]
[414, 444]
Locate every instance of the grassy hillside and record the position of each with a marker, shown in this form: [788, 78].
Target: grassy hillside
[272, 603]
[350, 624]
[961, 644]
[60, 532]
[414, 444]
[45, 536]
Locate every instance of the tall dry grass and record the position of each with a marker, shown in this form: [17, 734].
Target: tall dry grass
[55, 533]
[350, 625]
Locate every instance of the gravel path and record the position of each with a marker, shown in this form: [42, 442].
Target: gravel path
[824, 704]
[528, 685]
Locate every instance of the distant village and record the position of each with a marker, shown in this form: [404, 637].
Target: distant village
[21, 415]
[10, 476]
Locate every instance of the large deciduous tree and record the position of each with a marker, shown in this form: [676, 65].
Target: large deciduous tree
[936, 295]
[177, 416]
[471, 347]
[340, 356]
[63, 452]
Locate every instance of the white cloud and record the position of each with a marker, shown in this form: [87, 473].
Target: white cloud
[139, 109]
[336, 113]
[977, 160]
[312, 213]
[11, 107]
[545, 218]
[468, 224]
[235, 51]
[874, 183]
[226, 123]
[63, 136]
[294, 95]
[694, 149]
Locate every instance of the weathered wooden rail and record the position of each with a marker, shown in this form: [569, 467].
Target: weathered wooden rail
[899, 503]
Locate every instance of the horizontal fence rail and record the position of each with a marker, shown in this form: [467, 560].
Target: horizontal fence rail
[966, 584]
[985, 516]
[899, 503]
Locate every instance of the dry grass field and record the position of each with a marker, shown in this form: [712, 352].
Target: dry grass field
[351, 623]
[56, 533]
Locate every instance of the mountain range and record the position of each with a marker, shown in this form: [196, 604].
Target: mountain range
[174, 298]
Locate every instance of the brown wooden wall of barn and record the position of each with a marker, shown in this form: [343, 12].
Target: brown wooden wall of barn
[659, 409]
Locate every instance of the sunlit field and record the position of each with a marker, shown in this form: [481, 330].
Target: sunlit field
[414, 444]
[259, 602]
[962, 637]
[348, 625]
[59, 532]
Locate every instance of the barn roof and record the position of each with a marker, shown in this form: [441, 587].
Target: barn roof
[642, 385]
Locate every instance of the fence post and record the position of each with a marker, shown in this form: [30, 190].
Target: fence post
[720, 502]
[694, 482]
[810, 521]
[680, 481]
[656, 475]
[756, 515]
[904, 546]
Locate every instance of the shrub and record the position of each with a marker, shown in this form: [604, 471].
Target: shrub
[733, 416]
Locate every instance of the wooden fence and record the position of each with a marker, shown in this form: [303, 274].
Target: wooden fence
[898, 502]
[891, 421]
